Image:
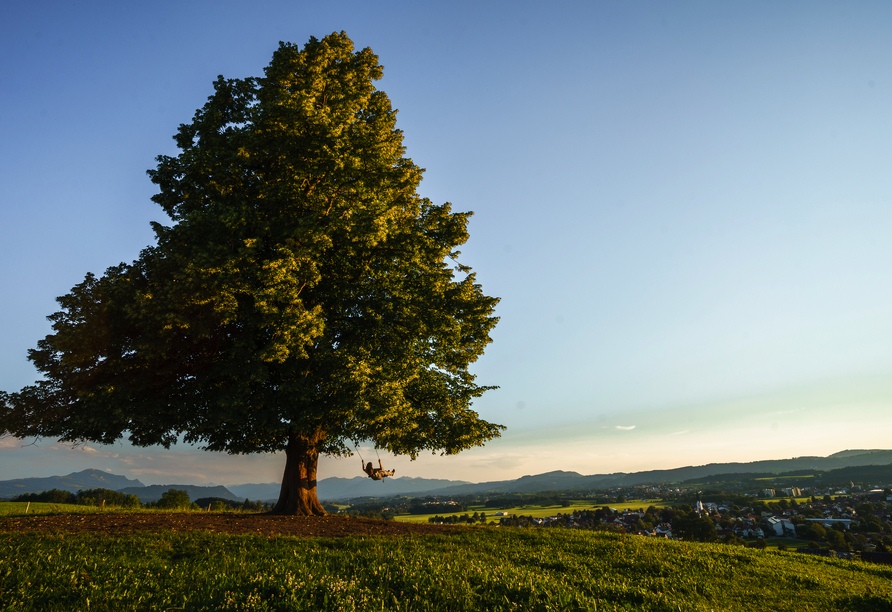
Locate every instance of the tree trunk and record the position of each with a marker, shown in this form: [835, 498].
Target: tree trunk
[298, 494]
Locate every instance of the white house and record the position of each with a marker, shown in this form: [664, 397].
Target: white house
[781, 526]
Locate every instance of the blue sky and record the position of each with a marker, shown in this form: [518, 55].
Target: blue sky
[684, 207]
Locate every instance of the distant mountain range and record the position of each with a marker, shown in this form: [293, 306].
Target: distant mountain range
[559, 480]
[346, 488]
[78, 481]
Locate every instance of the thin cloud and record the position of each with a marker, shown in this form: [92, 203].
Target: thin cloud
[788, 411]
[145, 472]
[625, 427]
[172, 476]
[10, 443]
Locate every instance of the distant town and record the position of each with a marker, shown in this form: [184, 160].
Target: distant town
[842, 521]
[830, 521]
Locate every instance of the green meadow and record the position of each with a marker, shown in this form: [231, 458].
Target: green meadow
[480, 568]
[20, 508]
[534, 510]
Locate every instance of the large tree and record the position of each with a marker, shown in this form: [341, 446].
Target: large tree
[304, 296]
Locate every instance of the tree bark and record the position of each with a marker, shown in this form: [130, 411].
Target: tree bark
[298, 493]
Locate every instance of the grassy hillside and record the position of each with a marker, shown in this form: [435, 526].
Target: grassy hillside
[479, 569]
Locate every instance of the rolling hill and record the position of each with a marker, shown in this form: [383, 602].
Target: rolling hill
[74, 482]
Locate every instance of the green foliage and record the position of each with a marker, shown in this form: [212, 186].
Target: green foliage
[479, 569]
[53, 496]
[98, 497]
[860, 543]
[811, 531]
[220, 504]
[733, 540]
[429, 508]
[249, 506]
[457, 520]
[694, 528]
[300, 297]
[382, 515]
[172, 499]
[836, 540]
[217, 504]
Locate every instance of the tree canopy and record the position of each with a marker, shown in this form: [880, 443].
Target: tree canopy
[304, 295]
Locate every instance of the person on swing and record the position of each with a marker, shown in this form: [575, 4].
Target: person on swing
[377, 473]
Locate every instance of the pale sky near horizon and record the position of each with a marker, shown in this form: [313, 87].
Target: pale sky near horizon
[684, 207]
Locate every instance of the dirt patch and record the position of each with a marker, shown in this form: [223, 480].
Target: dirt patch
[302, 526]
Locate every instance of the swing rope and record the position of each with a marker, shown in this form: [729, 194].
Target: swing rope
[356, 446]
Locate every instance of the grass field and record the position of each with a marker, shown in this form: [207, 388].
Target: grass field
[18, 508]
[791, 543]
[479, 569]
[535, 511]
[12, 508]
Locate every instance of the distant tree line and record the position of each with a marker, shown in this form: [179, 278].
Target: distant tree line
[171, 499]
[383, 515]
[220, 504]
[436, 507]
[454, 520]
[710, 495]
[87, 497]
[729, 477]
[512, 501]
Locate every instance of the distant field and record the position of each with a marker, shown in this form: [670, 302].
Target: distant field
[799, 500]
[791, 543]
[478, 569]
[532, 510]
